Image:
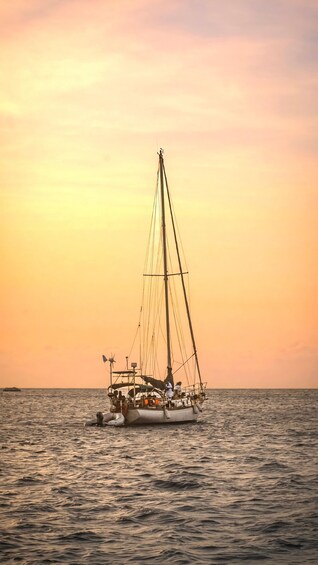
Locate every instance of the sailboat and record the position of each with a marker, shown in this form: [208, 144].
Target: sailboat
[165, 386]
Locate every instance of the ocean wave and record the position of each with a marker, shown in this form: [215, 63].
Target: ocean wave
[241, 485]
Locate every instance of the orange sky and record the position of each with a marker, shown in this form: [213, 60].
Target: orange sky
[89, 91]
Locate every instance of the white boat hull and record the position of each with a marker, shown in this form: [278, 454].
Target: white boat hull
[144, 416]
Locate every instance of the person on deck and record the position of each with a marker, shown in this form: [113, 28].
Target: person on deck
[169, 392]
[177, 390]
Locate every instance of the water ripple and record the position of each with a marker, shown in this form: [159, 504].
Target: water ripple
[239, 485]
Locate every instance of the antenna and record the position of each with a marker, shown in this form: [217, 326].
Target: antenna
[111, 361]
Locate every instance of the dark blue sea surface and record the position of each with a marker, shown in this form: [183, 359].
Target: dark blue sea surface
[239, 485]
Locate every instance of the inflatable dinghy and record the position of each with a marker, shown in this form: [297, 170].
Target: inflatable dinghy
[109, 419]
[117, 420]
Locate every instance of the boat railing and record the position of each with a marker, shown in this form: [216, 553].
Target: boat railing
[193, 390]
[125, 379]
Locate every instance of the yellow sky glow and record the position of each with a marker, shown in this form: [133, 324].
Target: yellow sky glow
[89, 92]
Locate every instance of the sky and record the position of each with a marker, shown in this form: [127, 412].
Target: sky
[89, 92]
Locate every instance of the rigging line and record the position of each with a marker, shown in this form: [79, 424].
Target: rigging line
[154, 363]
[156, 228]
[159, 259]
[179, 330]
[153, 322]
[179, 334]
[165, 264]
[147, 290]
[152, 352]
[174, 221]
[174, 311]
[137, 330]
[182, 280]
[178, 325]
[152, 287]
[148, 323]
[150, 254]
[168, 275]
[136, 333]
[178, 312]
[145, 319]
[154, 207]
[156, 366]
[178, 369]
[152, 258]
[159, 317]
[159, 332]
[142, 318]
[177, 316]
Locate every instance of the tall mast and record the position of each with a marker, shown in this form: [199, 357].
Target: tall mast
[165, 265]
[183, 283]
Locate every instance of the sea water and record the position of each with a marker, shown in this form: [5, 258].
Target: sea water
[239, 485]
